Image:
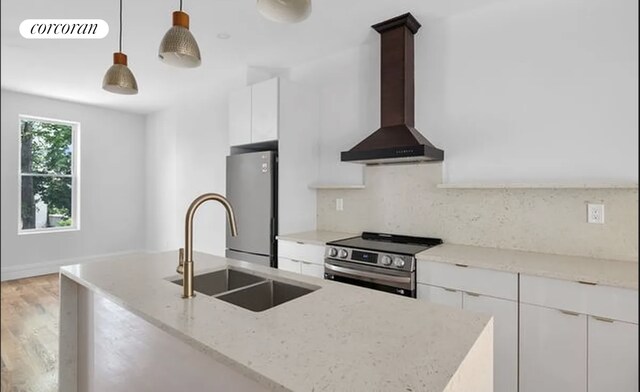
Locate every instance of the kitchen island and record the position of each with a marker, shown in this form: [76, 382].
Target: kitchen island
[124, 326]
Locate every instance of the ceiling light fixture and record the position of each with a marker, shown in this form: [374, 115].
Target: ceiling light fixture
[285, 11]
[178, 47]
[119, 79]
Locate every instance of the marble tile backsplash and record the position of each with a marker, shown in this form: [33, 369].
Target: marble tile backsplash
[405, 199]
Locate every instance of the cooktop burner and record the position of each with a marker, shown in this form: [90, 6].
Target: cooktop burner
[388, 243]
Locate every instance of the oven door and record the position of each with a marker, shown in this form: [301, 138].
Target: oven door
[397, 282]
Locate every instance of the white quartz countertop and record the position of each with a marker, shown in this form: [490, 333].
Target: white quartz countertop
[316, 237]
[337, 338]
[606, 272]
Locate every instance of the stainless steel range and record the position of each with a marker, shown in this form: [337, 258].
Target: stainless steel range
[379, 261]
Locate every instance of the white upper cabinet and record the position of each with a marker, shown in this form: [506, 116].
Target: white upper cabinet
[265, 111]
[287, 112]
[254, 113]
[240, 117]
[613, 355]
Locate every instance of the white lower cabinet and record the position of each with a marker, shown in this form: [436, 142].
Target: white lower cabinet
[439, 295]
[505, 337]
[289, 265]
[550, 335]
[311, 269]
[553, 350]
[305, 259]
[613, 356]
[301, 267]
[483, 291]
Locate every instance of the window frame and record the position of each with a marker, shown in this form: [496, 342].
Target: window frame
[75, 176]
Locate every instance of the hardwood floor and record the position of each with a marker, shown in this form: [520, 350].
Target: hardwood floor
[29, 334]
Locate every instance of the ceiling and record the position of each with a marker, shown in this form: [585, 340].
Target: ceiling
[73, 69]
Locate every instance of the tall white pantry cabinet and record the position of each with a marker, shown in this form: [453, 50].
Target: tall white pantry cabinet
[278, 110]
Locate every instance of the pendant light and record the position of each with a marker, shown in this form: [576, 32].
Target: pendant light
[285, 11]
[178, 47]
[119, 79]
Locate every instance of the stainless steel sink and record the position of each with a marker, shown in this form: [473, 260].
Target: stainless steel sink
[265, 295]
[217, 282]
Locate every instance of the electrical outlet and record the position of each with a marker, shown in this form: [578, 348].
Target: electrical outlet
[595, 213]
[339, 204]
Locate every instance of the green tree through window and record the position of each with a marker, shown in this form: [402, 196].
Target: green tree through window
[46, 174]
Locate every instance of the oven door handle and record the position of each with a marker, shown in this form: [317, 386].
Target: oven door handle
[380, 278]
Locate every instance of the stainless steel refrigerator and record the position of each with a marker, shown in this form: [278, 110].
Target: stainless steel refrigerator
[252, 184]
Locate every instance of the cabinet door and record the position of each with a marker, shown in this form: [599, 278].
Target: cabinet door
[264, 111]
[288, 265]
[553, 350]
[440, 295]
[613, 356]
[240, 117]
[505, 337]
[311, 269]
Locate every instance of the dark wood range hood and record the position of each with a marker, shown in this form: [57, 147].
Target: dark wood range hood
[397, 141]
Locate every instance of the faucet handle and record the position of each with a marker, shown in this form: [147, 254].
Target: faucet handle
[180, 268]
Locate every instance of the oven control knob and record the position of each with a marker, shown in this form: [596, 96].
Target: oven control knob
[343, 254]
[398, 262]
[333, 252]
[386, 260]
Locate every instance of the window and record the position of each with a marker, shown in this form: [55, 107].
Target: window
[48, 175]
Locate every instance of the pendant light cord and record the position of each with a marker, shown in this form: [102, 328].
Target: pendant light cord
[180, 5]
[120, 41]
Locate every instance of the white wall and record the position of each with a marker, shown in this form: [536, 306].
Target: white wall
[187, 147]
[520, 90]
[112, 190]
[540, 90]
[348, 86]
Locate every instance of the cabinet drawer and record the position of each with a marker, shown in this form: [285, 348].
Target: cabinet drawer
[289, 265]
[597, 300]
[440, 295]
[476, 280]
[300, 251]
[311, 269]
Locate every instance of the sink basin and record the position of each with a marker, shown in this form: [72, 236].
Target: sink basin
[217, 282]
[266, 295]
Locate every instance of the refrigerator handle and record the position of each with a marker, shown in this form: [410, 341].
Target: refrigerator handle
[274, 244]
[273, 229]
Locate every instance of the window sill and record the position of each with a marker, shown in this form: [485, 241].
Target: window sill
[45, 231]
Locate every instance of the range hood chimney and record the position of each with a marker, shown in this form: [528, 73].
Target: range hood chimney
[397, 141]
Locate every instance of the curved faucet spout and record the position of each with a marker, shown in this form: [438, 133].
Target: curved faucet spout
[187, 259]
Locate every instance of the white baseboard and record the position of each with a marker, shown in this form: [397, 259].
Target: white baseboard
[49, 267]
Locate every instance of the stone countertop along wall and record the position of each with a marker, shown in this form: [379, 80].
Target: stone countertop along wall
[405, 199]
[316, 237]
[623, 274]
